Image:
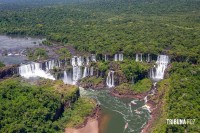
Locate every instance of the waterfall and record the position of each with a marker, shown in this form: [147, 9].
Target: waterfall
[67, 79]
[87, 61]
[93, 58]
[80, 61]
[91, 71]
[133, 82]
[110, 79]
[136, 58]
[106, 58]
[86, 72]
[118, 57]
[77, 73]
[157, 73]
[121, 57]
[145, 99]
[35, 70]
[140, 57]
[73, 61]
[148, 58]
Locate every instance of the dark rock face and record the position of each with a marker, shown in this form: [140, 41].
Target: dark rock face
[8, 71]
[114, 66]
[119, 78]
[66, 104]
[89, 82]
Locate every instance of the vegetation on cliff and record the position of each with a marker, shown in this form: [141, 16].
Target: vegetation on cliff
[1, 64]
[37, 54]
[181, 98]
[39, 108]
[141, 86]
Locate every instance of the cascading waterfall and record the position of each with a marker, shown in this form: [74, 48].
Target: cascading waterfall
[77, 72]
[121, 57]
[87, 61]
[140, 57]
[91, 71]
[136, 58]
[132, 81]
[157, 73]
[68, 78]
[93, 57]
[118, 57]
[73, 61]
[86, 72]
[106, 58]
[148, 58]
[110, 79]
[51, 64]
[35, 70]
[80, 61]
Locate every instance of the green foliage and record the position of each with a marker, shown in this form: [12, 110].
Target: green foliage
[63, 53]
[80, 110]
[58, 37]
[136, 70]
[181, 100]
[140, 87]
[184, 98]
[112, 26]
[37, 54]
[1, 64]
[92, 80]
[32, 108]
[162, 96]
[26, 108]
[102, 66]
[47, 43]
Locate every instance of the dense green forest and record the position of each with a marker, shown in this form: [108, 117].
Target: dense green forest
[169, 26]
[38, 108]
[181, 99]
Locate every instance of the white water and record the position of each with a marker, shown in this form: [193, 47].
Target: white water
[140, 57]
[122, 111]
[121, 57]
[148, 58]
[80, 61]
[68, 78]
[87, 61]
[118, 57]
[93, 57]
[77, 69]
[106, 58]
[136, 58]
[91, 71]
[110, 79]
[35, 70]
[157, 73]
[86, 72]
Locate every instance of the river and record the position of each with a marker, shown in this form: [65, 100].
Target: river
[118, 112]
[14, 47]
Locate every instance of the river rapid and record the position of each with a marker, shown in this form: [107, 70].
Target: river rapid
[117, 112]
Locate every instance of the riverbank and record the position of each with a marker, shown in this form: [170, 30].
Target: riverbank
[91, 124]
[153, 107]
[128, 94]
